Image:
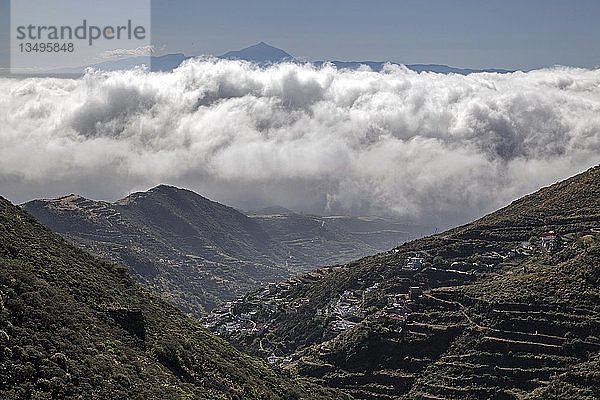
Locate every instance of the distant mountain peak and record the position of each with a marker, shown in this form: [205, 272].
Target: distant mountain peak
[263, 45]
[164, 188]
[260, 53]
[160, 189]
[68, 202]
[70, 197]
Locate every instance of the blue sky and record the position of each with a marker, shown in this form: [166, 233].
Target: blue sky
[475, 33]
[521, 34]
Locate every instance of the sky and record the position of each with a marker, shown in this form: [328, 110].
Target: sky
[465, 33]
[514, 34]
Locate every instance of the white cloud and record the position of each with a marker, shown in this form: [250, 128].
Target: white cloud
[425, 146]
[147, 50]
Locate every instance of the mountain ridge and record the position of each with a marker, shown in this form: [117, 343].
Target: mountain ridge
[198, 253]
[264, 54]
[173, 237]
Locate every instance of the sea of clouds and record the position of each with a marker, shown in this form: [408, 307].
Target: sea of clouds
[426, 147]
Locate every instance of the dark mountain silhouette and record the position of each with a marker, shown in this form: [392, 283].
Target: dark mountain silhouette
[437, 68]
[263, 53]
[260, 53]
[198, 252]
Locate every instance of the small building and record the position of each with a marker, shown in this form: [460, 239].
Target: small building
[414, 263]
[245, 316]
[548, 241]
[399, 298]
[269, 307]
[259, 329]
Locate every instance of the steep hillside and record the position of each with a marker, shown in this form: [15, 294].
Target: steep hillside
[74, 326]
[192, 251]
[197, 253]
[506, 307]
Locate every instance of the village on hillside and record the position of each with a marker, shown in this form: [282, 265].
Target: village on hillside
[388, 300]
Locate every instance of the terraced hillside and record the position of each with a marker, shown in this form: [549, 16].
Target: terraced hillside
[197, 253]
[506, 307]
[74, 326]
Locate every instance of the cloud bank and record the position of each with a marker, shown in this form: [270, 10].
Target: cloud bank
[426, 147]
[147, 50]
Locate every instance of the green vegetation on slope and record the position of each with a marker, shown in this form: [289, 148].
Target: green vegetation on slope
[74, 326]
[192, 251]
